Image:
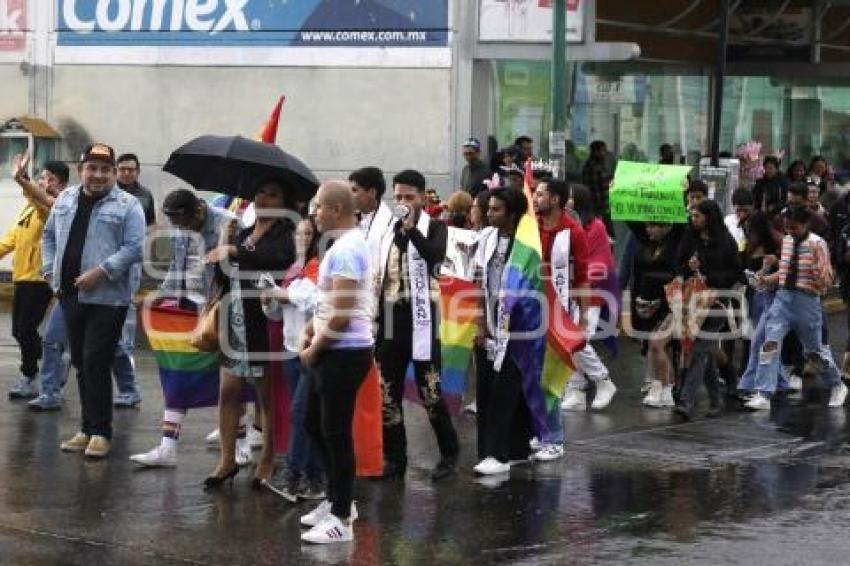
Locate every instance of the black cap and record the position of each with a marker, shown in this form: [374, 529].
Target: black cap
[98, 152]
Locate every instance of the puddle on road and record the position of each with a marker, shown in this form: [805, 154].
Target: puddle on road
[589, 503]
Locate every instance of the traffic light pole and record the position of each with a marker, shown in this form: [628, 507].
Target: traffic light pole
[558, 122]
[719, 78]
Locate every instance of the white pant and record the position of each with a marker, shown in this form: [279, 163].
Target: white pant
[588, 364]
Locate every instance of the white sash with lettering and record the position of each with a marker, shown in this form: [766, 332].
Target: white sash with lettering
[420, 295]
[560, 264]
[498, 323]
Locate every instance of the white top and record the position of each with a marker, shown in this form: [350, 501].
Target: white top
[295, 313]
[348, 258]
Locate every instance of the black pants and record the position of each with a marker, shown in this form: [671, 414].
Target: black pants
[93, 334]
[330, 411]
[394, 356]
[703, 366]
[504, 424]
[29, 305]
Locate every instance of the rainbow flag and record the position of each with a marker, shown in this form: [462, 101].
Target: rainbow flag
[458, 309]
[545, 362]
[189, 378]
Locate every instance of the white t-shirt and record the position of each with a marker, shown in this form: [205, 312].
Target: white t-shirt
[348, 258]
[737, 232]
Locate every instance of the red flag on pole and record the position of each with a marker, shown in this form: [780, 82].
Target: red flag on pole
[268, 133]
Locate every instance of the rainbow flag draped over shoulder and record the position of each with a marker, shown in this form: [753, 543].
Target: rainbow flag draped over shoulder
[458, 309]
[545, 362]
[189, 377]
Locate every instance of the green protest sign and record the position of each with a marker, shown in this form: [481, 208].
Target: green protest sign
[649, 192]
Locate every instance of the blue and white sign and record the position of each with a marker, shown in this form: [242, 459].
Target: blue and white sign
[268, 23]
[315, 33]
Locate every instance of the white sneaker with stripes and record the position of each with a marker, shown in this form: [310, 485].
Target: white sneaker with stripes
[330, 530]
[322, 512]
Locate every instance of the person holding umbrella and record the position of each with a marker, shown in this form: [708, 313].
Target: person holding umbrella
[274, 180]
[266, 247]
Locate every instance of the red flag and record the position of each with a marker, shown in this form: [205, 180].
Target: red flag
[268, 133]
[367, 427]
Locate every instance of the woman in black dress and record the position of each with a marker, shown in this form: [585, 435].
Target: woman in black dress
[266, 247]
[654, 266]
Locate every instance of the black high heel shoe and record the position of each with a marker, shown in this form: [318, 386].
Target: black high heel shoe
[214, 482]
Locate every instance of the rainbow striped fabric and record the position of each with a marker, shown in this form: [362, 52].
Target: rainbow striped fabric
[189, 378]
[545, 362]
[458, 310]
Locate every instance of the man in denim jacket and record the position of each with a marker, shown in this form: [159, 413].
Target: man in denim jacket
[94, 234]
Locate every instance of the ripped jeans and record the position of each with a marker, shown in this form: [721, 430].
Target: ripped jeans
[800, 312]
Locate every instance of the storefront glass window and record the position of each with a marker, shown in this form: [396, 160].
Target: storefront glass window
[797, 117]
[633, 108]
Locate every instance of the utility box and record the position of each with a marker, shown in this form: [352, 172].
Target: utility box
[19, 135]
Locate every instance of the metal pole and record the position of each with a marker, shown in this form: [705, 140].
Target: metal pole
[558, 123]
[719, 76]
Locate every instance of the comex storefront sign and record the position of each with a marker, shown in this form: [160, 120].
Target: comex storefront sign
[197, 16]
[306, 32]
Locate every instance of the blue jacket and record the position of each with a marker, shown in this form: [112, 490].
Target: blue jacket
[187, 272]
[114, 241]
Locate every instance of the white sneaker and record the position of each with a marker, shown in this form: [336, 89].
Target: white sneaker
[491, 467]
[759, 402]
[605, 390]
[795, 383]
[575, 400]
[331, 529]
[243, 453]
[255, 438]
[322, 511]
[160, 456]
[838, 395]
[212, 438]
[653, 397]
[548, 453]
[667, 397]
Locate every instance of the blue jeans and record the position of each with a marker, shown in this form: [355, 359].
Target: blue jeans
[759, 307]
[304, 458]
[123, 367]
[801, 312]
[54, 367]
[555, 424]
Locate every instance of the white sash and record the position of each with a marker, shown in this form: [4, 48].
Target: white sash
[560, 263]
[379, 236]
[503, 323]
[488, 241]
[498, 324]
[383, 256]
[420, 295]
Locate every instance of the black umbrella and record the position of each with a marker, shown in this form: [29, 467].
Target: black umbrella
[236, 166]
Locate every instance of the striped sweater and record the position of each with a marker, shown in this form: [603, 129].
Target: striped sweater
[814, 274]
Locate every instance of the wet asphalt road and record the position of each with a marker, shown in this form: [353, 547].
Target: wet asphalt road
[636, 487]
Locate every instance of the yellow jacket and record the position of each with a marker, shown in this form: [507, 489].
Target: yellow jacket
[24, 238]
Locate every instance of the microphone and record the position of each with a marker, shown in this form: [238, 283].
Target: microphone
[401, 211]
